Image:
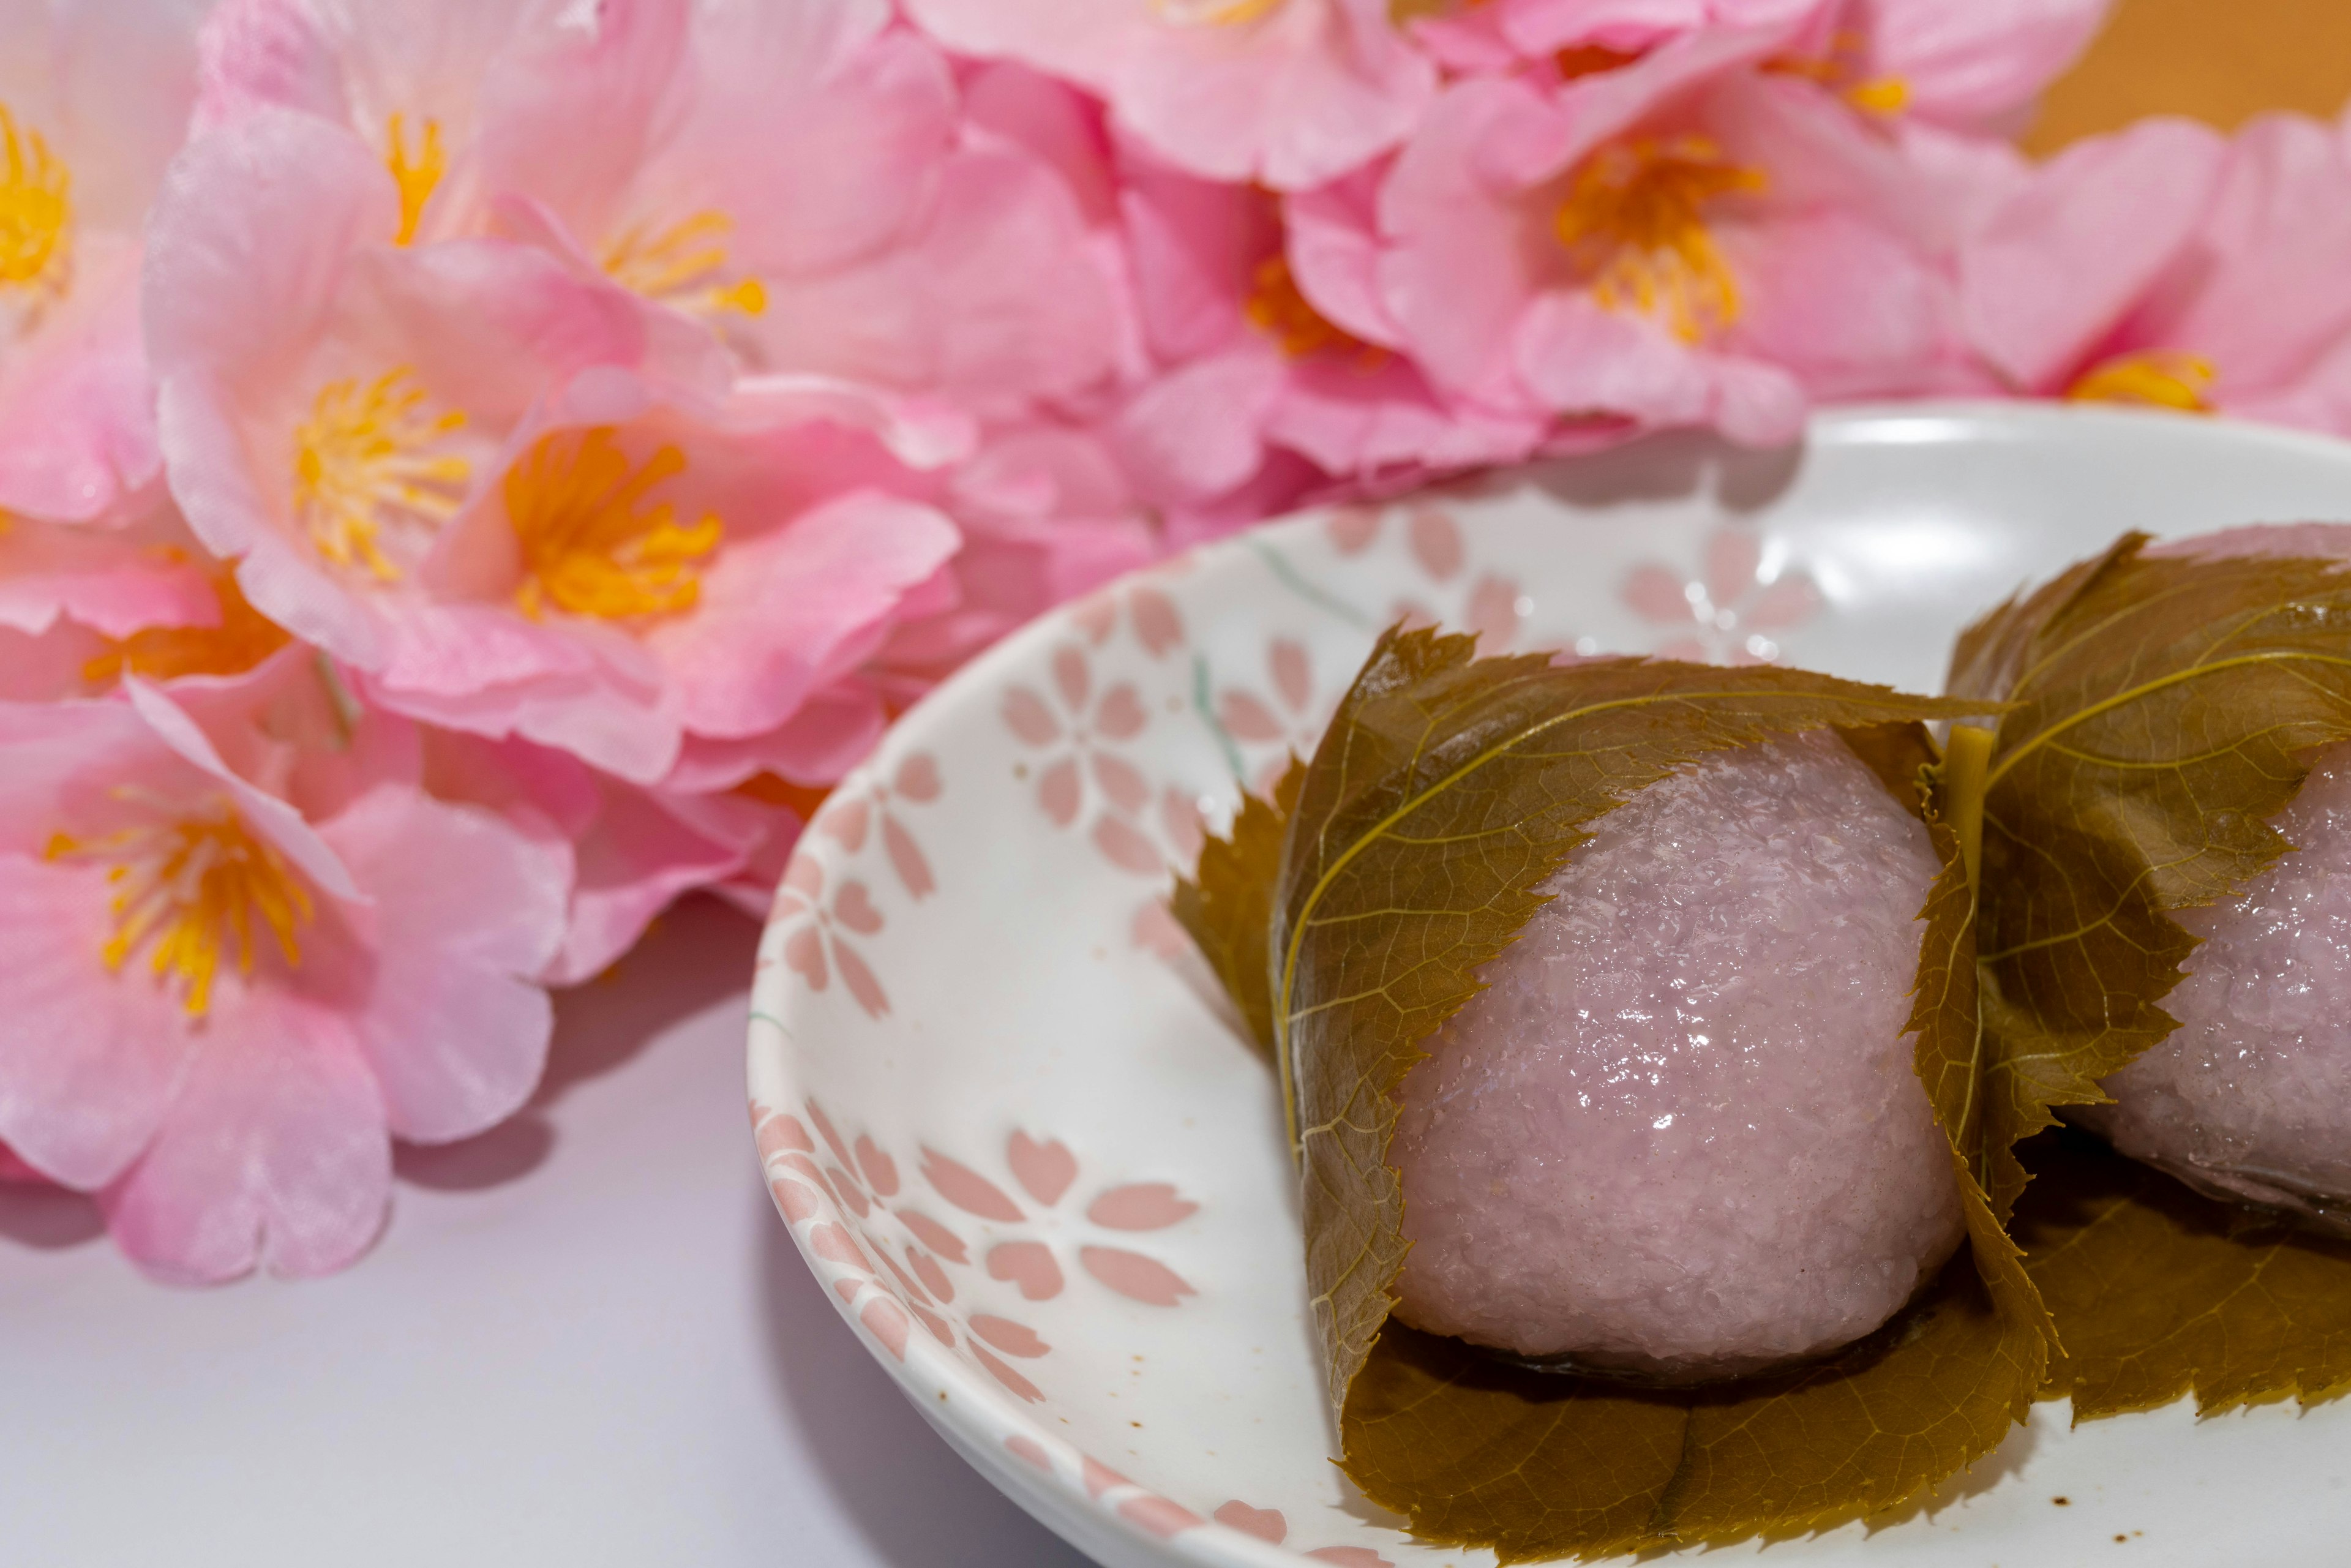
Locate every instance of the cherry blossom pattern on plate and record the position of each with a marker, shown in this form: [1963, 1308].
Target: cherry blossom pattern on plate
[848, 1217]
[874, 808]
[818, 928]
[1731, 611]
[1268, 1524]
[1028, 1248]
[1138, 1505]
[1286, 717]
[1077, 732]
[1157, 624]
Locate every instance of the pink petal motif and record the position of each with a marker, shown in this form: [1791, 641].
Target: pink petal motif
[1095, 617]
[1656, 595]
[1012, 1338]
[1731, 557]
[847, 1288]
[1493, 614]
[859, 980]
[1030, 1450]
[1350, 1557]
[1071, 678]
[850, 1195]
[926, 1269]
[1121, 715]
[1157, 1515]
[1293, 673]
[853, 907]
[1026, 716]
[777, 1134]
[1135, 1277]
[968, 1189]
[1155, 932]
[1789, 602]
[801, 1165]
[886, 1320]
[844, 822]
[829, 1133]
[1247, 718]
[1044, 1170]
[1265, 1524]
[1352, 528]
[1414, 615]
[805, 877]
[1005, 1375]
[1059, 792]
[1179, 814]
[915, 1293]
[793, 1201]
[934, 1236]
[1121, 780]
[918, 779]
[834, 1245]
[1436, 544]
[881, 1170]
[936, 1325]
[1027, 1264]
[1157, 625]
[804, 956]
[1144, 1205]
[1100, 1478]
[1124, 847]
[1689, 650]
[906, 859]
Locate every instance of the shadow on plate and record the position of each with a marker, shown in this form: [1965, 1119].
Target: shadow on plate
[911, 1497]
[698, 953]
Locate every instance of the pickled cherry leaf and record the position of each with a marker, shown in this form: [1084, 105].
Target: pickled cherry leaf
[1227, 905]
[2159, 1292]
[2159, 708]
[1446, 790]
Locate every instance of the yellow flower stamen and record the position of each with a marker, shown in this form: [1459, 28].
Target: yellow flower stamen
[366, 456]
[1635, 230]
[1213, 12]
[416, 179]
[1276, 307]
[684, 264]
[190, 887]
[1839, 70]
[36, 212]
[242, 638]
[1879, 95]
[2157, 379]
[589, 545]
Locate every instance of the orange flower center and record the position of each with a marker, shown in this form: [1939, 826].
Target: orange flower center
[684, 264]
[2156, 378]
[243, 639]
[590, 545]
[1634, 227]
[418, 175]
[368, 457]
[1276, 307]
[189, 890]
[36, 212]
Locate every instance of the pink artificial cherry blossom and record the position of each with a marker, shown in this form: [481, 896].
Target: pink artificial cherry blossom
[1290, 93]
[244, 954]
[94, 98]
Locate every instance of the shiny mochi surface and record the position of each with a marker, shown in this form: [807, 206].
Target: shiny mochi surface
[2251, 1097]
[1680, 1135]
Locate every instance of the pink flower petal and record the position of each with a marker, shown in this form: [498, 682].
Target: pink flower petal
[1071, 678]
[926, 1269]
[1352, 528]
[1030, 1451]
[1731, 558]
[834, 1245]
[918, 779]
[1121, 715]
[1144, 1205]
[934, 1236]
[804, 956]
[1493, 613]
[1265, 1524]
[1126, 847]
[936, 1324]
[1293, 673]
[853, 907]
[1061, 791]
[968, 1189]
[830, 1134]
[1121, 780]
[860, 979]
[1157, 625]
[1436, 543]
[1787, 601]
[914, 1292]
[851, 1196]
[793, 1201]
[1013, 1339]
[1044, 1170]
[1350, 1557]
[1100, 1478]
[1159, 1516]
[1657, 594]
[1135, 1277]
[1005, 1375]
[886, 1321]
[1179, 815]
[881, 1170]
[1030, 718]
[906, 859]
[780, 1132]
[843, 821]
[1247, 718]
[1027, 1264]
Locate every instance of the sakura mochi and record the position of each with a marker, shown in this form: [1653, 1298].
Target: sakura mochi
[1679, 1135]
[2249, 1099]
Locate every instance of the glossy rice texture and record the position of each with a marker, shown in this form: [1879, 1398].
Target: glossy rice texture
[1680, 1134]
[2251, 1097]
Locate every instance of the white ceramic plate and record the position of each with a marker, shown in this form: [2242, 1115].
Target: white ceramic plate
[1042, 1176]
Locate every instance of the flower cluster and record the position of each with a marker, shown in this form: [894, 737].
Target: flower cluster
[471, 471]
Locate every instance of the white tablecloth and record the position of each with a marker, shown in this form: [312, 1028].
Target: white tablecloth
[585, 1339]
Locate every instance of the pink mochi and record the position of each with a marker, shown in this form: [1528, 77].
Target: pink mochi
[1679, 1135]
[2249, 1099]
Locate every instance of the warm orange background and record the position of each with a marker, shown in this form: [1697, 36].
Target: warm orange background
[2220, 61]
